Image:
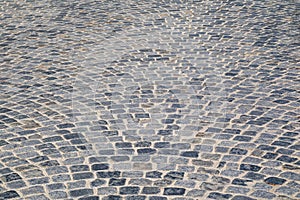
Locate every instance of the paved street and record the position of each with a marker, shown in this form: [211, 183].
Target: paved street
[149, 100]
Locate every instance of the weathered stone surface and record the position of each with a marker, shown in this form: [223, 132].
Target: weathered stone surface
[149, 99]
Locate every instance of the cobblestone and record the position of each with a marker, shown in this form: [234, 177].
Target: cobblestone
[149, 100]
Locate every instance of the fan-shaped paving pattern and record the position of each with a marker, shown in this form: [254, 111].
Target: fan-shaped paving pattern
[149, 100]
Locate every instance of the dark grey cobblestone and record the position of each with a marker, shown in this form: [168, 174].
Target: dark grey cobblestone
[90, 198]
[239, 197]
[263, 194]
[174, 191]
[80, 192]
[9, 194]
[56, 186]
[153, 100]
[129, 190]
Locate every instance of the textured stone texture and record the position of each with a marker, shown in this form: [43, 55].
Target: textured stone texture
[149, 100]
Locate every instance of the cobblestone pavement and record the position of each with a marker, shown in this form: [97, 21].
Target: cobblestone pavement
[151, 100]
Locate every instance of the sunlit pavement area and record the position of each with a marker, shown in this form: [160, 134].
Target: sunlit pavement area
[149, 100]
